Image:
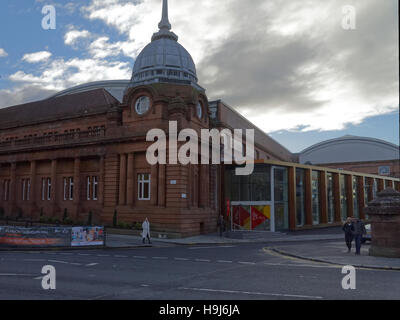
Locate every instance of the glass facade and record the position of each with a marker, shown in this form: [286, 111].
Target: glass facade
[261, 201]
[331, 198]
[300, 197]
[356, 209]
[315, 188]
[255, 187]
[343, 197]
[281, 198]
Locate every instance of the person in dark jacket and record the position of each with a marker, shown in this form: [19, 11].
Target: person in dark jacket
[358, 231]
[221, 224]
[348, 233]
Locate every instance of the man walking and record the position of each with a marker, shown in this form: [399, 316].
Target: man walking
[221, 225]
[146, 231]
[358, 231]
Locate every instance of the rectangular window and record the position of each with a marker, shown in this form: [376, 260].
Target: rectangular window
[331, 199]
[343, 197]
[356, 211]
[95, 187]
[144, 186]
[315, 196]
[71, 188]
[88, 188]
[300, 197]
[48, 188]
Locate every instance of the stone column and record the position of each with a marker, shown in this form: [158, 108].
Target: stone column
[161, 185]
[13, 188]
[122, 180]
[76, 195]
[101, 181]
[384, 213]
[53, 195]
[130, 180]
[153, 184]
[323, 196]
[308, 197]
[32, 195]
[336, 196]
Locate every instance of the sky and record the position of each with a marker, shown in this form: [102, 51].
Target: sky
[289, 66]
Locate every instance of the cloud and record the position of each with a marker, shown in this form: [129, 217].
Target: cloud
[71, 37]
[61, 74]
[23, 94]
[286, 65]
[3, 53]
[35, 57]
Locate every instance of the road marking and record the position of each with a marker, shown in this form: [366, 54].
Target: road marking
[215, 247]
[254, 293]
[244, 262]
[203, 260]
[144, 285]
[181, 259]
[16, 275]
[224, 261]
[120, 256]
[91, 264]
[34, 260]
[66, 253]
[160, 258]
[75, 263]
[140, 257]
[84, 254]
[58, 261]
[102, 255]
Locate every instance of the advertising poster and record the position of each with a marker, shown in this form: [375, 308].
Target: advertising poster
[34, 237]
[87, 236]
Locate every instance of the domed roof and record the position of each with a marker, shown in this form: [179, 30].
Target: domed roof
[164, 59]
[349, 149]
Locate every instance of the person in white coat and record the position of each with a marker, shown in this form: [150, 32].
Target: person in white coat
[146, 231]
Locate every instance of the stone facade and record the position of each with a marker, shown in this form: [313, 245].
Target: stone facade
[384, 213]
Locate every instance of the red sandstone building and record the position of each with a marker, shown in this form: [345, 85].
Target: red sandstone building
[86, 152]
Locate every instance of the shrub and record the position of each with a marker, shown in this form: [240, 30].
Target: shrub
[123, 225]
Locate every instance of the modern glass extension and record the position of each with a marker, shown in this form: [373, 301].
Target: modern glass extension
[281, 196]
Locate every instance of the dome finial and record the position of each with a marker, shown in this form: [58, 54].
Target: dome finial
[164, 25]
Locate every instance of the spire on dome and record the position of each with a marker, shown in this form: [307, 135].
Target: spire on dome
[164, 25]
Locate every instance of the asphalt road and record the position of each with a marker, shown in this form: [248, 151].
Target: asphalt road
[229, 272]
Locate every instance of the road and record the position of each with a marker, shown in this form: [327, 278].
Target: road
[230, 272]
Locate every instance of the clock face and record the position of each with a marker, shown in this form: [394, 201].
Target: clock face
[142, 105]
[199, 110]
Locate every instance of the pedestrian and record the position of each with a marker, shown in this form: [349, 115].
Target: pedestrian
[358, 232]
[146, 231]
[221, 225]
[348, 233]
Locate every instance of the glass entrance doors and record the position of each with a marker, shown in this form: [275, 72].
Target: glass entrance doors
[252, 216]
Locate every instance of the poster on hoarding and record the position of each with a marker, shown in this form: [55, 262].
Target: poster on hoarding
[35, 237]
[87, 236]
